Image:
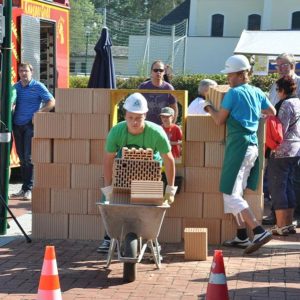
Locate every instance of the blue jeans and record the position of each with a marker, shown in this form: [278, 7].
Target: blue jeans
[297, 188]
[281, 172]
[23, 135]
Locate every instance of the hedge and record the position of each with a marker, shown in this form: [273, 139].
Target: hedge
[187, 82]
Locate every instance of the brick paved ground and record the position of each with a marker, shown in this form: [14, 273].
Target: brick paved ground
[271, 273]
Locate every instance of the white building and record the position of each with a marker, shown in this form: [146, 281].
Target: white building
[214, 29]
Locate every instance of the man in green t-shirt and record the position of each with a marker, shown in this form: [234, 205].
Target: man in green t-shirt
[138, 133]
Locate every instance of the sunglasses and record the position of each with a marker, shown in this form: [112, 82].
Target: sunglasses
[282, 65]
[158, 70]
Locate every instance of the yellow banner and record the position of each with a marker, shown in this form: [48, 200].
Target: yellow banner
[35, 9]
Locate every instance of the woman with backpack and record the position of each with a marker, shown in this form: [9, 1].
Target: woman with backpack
[285, 157]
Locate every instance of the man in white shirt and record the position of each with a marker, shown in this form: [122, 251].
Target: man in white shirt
[285, 65]
[196, 106]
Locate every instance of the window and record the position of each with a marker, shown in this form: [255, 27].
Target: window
[254, 22]
[217, 25]
[83, 67]
[72, 66]
[296, 20]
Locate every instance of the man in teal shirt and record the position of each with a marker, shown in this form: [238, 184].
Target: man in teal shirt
[241, 109]
[136, 132]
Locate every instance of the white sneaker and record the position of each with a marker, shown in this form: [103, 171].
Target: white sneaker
[258, 241]
[27, 196]
[19, 195]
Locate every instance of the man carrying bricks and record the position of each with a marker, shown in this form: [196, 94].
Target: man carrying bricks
[240, 110]
[138, 133]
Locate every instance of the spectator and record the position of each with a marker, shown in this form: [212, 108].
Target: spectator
[172, 130]
[285, 65]
[286, 157]
[196, 106]
[157, 101]
[240, 110]
[168, 76]
[143, 134]
[31, 94]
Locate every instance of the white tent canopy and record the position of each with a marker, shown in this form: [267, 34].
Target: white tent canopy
[270, 43]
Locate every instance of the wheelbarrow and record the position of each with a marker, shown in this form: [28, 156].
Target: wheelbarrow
[132, 228]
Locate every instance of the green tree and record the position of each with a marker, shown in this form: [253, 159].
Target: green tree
[153, 9]
[85, 23]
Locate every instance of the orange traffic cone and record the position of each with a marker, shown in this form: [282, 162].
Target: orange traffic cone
[49, 288]
[217, 285]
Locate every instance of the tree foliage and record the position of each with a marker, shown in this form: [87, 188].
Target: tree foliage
[86, 17]
[145, 9]
[85, 23]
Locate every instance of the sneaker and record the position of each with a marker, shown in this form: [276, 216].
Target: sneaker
[292, 229]
[258, 240]
[104, 247]
[283, 231]
[18, 195]
[237, 243]
[27, 196]
[296, 223]
[148, 253]
[269, 220]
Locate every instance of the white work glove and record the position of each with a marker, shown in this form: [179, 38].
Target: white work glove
[170, 194]
[206, 104]
[107, 192]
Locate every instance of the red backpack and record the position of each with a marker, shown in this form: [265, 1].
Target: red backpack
[274, 134]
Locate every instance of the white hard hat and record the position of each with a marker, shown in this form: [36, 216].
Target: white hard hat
[136, 103]
[236, 63]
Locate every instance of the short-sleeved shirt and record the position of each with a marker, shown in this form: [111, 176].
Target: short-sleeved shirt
[28, 101]
[157, 101]
[152, 137]
[289, 116]
[196, 107]
[174, 134]
[245, 103]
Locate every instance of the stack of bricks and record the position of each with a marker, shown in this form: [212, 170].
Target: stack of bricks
[216, 94]
[67, 152]
[200, 204]
[147, 192]
[135, 154]
[133, 166]
[138, 166]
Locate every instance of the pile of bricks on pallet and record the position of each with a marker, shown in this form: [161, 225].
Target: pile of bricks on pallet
[68, 151]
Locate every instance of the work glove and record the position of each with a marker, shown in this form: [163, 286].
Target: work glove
[207, 103]
[170, 194]
[107, 192]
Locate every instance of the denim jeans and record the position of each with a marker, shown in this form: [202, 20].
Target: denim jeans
[23, 136]
[281, 181]
[297, 188]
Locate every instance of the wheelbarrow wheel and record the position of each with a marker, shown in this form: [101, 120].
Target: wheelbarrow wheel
[130, 250]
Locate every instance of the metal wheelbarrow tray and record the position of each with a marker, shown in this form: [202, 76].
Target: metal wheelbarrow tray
[128, 226]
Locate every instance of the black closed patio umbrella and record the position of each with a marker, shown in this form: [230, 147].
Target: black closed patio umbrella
[103, 70]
